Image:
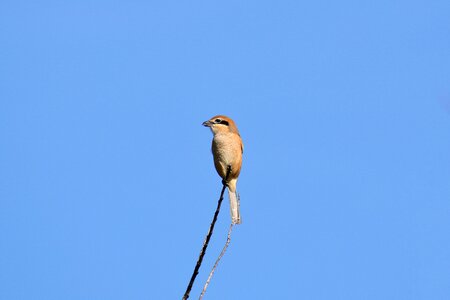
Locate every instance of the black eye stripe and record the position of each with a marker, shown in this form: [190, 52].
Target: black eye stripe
[220, 121]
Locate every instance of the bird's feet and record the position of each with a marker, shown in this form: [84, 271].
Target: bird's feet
[224, 182]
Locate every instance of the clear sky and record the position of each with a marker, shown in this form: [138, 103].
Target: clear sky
[107, 185]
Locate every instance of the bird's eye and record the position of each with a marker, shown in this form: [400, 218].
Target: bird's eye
[217, 121]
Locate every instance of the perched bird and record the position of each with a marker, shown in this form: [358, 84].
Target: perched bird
[227, 149]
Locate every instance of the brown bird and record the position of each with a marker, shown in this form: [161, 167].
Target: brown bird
[227, 149]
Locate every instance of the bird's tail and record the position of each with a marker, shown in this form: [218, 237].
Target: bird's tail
[234, 202]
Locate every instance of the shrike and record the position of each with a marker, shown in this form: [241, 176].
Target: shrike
[227, 149]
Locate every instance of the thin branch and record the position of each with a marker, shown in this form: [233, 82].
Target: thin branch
[208, 237]
[217, 261]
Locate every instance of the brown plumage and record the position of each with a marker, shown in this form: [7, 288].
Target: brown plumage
[227, 149]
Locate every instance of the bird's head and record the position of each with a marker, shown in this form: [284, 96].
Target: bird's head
[220, 124]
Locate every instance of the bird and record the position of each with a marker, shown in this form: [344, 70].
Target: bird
[227, 149]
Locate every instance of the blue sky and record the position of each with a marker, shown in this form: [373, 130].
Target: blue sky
[107, 185]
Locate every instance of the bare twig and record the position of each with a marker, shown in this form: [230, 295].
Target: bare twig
[217, 261]
[208, 237]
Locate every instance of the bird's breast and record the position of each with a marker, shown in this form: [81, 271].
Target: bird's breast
[227, 147]
[227, 151]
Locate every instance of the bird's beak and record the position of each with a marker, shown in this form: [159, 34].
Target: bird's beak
[207, 123]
